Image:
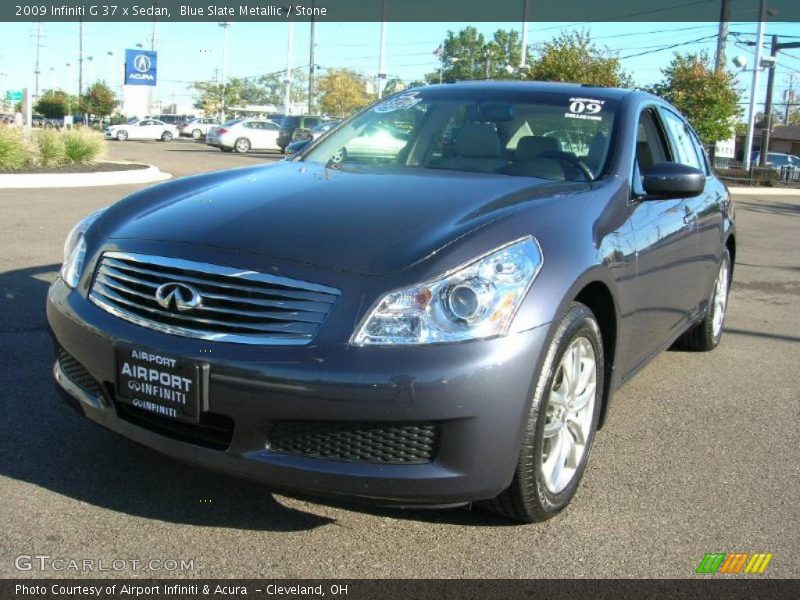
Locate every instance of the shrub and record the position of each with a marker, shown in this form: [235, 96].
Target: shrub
[83, 146]
[51, 148]
[15, 151]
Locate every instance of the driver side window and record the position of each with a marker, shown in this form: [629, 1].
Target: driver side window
[651, 148]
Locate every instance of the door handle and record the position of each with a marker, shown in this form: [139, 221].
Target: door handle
[690, 218]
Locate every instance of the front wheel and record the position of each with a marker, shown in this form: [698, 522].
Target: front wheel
[197, 134]
[706, 335]
[562, 423]
[122, 136]
[166, 136]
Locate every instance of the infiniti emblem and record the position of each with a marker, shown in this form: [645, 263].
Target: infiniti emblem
[178, 296]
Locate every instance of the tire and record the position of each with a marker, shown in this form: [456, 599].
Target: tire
[706, 335]
[241, 145]
[537, 493]
[166, 136]
[197, 134]
[122, 136]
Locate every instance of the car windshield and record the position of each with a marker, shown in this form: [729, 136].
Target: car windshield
[778, 159]
[232, 122]
[290, 122]
[547, 135]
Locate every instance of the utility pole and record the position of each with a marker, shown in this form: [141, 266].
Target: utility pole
[722, 37]
[36, 71]
[767, 122]
[523, 61]
[287, 99]
[311, 66]
[751, 113]
[382, 60]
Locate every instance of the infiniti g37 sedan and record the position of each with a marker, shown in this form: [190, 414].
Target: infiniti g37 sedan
[440, 325]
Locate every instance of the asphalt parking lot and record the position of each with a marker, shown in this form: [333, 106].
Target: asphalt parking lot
[700, 454]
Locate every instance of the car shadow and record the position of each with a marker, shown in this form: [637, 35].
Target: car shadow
[45, 443]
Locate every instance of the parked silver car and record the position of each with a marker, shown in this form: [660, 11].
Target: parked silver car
[197, 128]
[243, 135]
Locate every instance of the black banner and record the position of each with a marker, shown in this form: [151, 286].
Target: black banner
[583, 11]
[402, 589]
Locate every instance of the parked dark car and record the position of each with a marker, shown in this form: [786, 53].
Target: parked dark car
[291, 123]
[442, 326]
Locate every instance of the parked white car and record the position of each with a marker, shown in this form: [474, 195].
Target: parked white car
[243, 135]
[145, 129]
[197, 128]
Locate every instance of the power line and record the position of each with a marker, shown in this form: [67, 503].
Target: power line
[669, 47]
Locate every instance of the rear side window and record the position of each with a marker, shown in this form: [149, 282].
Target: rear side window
[682, 142]
[290, 122]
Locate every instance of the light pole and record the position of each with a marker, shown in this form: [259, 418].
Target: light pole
[225, 26]
[751, 113]
[382, 59]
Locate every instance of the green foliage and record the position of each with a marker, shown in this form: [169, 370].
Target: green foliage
[469, 55]
[794, 118]
[709, 99]
[54, 104]
[50, 147]
[98, 100]
[82, 145]
[15, 151]
[343, 92]
[573, 57]
[214, 98]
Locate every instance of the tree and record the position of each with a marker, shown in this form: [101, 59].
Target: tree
[794, 118]
[98, 100]
[709, 99]
[343, 92]
[54, 104]
[274, 86]
[468, 55]
[573, 57]
[214, 97]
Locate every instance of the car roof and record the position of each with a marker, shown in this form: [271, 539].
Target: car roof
[536, 86]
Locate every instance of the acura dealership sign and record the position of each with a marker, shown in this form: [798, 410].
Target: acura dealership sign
[140, 67]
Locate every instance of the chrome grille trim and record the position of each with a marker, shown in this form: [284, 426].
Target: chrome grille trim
[239, 306]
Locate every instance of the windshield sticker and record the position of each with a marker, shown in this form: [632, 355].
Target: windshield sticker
[400, 102]
[587, 109]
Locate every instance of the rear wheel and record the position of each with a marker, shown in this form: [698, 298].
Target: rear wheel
[122, 136]
[707, 334]
[166, 136]
[197, 134]
[562, 423]
[242, 145]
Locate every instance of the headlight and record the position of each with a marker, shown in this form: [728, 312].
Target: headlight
[476, 300]
[75, 250]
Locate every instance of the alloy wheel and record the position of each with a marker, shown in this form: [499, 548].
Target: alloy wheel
[720, 300]
[569, 413]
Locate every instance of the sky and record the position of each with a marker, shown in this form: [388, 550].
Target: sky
[192, 51]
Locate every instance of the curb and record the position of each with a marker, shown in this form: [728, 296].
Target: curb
[63, 180]
[763, 191]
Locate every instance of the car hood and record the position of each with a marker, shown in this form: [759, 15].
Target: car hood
[368, 223]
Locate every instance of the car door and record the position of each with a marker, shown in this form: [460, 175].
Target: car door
[270, 135]
[665, 248]
[146, 130]
[706, 212]
[138, 130]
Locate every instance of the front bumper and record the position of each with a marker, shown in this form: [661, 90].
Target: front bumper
[477, 394]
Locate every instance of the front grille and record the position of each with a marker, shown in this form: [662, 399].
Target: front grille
[237, 305]
[77, 374]
[388, 443]
[213, 431]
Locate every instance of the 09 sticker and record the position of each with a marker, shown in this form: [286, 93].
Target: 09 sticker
[587, 109]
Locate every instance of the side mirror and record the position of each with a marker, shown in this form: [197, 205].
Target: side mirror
[296, 147]
[672, 180]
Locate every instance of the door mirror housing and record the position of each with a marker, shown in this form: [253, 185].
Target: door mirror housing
[295, 147]
[673, 180]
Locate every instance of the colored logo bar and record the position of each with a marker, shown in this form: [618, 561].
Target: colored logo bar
[734, 563]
